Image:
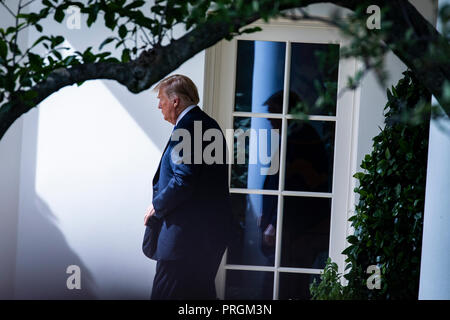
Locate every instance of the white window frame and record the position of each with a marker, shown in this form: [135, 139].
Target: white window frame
[219, 103]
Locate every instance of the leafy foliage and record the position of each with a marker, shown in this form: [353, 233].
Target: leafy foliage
[135, 26]
[330, 287]
[141, 30]
[388, 219]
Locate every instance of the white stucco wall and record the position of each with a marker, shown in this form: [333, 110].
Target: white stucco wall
[76, 179]
[89, 154]
[10, 157]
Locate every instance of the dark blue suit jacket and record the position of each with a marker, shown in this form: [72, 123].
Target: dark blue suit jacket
[192, 202]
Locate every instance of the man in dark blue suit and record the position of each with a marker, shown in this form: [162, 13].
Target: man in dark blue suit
[188, 223]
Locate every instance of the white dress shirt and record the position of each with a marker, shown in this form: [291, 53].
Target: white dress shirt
[181, 115]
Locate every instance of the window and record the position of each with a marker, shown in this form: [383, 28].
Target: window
[290, 210]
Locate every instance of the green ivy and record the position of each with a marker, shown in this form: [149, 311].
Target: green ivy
[388, 218]
[329, 287]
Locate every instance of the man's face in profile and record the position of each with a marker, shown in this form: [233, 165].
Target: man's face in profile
[167, 106]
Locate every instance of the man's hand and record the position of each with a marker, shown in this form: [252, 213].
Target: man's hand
[150, 211]
[269, 235]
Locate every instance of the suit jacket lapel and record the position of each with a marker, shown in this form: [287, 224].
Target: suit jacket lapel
[186, 116]
[156, 177]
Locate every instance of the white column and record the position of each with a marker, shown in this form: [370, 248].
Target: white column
[268, 78]
[435, 263]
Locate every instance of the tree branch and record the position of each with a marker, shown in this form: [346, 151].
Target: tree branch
[137, 75]
[153, 65]
[416, 54]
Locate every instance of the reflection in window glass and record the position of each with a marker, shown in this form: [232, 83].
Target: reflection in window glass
[249, 169]
[259, 74]
[309, 156]
[295, 286]
[306, 232]
[314, 78]
[253, 233]
[248, 285]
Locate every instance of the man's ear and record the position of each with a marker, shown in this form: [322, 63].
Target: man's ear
[176, 101]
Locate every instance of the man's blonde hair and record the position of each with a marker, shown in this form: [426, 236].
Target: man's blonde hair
[181, 86]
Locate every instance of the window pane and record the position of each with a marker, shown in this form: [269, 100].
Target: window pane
[309, 156]
[253, 215]
[296, 286]
[249, 285]
[306, 232]
[314, 74]
[256, 153]
[259, 76]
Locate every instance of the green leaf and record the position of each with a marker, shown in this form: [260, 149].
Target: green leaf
[352, 239]
[10, 30]
[47, 3]
[398, 189]
[40, 39]
[68, 61]
[359, 175]
[387, 153]
[25, 82]
[35, 61]
[135, 4]
[59, 15]
[112, 59]
[88, 56]
[57, 54]
[409, 156]
[123, 31]
[3, 49]
[125, 55]
[110, 21]
[119, 43]
[14, 48]
[105, 42]
[102, 56]
[251, 30]
[56, 41]
[93, 15]
[30, 95]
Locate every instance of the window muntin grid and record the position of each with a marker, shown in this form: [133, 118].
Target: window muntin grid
[276, 268]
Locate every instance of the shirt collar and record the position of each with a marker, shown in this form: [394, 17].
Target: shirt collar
[181, 115]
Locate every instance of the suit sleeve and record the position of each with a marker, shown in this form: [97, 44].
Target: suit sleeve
[180, 187]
